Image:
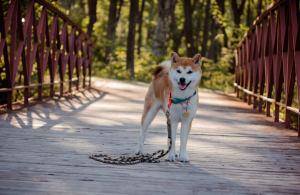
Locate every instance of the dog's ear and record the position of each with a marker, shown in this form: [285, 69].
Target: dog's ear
[197, 60]
[174, 58]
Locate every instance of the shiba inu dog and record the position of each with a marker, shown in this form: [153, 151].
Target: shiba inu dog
[174, 86]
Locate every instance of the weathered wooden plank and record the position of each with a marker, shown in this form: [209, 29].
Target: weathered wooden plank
[232, 148]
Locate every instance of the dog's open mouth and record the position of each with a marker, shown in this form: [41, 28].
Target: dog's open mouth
[183, 86]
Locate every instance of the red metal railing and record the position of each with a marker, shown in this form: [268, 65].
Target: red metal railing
[47, 47]
[269, 56]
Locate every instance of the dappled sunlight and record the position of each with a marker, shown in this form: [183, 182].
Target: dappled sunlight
[225, 144]
[99, 120]
[115, 107]
[114, 84]
[64, 127]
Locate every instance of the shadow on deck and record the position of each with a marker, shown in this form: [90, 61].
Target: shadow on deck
[232, 148]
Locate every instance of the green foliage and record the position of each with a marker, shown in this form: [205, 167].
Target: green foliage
[217, 75]
[144, 64]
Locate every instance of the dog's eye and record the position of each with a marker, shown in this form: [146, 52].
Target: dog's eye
[178, 71]
[190, 72]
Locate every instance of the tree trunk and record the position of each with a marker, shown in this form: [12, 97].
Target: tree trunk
[205, 29]
[198, 26]
[82, 4]
[213, 43]
[113, 19]
[188, 28]
[165, 8]
[221, 4]
[249, 14]
[111, 28]
[259, 6]
[63, 4]
[119, 10]
[237, 12]
[92, 14]
[175, 34]
[131, 36]
[150, 30]
[140, 26]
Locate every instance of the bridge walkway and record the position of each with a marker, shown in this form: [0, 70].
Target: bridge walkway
[233, 149]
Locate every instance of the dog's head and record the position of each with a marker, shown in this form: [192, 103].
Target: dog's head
[185, 73]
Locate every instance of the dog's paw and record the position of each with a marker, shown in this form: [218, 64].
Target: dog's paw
[138, 151]
[171, 158]
[184, 158]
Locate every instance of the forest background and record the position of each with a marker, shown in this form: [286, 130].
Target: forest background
[133, 36]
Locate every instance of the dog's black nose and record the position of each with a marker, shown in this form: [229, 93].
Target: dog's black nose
[182, 80]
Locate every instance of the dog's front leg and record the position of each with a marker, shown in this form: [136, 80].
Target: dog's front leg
[184, 134]
[174, 125]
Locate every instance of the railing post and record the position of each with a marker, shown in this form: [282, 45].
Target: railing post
[40, 93]
[26, 95]
[51, 90]
[9, 100]
[70, 86]
[244, 61]
[83, 80]
[237, 72]
[77, 84]
[298, 125]
[262, 61]
[90, 64]
[86, 61]
[61, 89]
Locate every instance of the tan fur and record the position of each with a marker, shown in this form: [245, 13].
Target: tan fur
[158, 95]
[161, 86]
[150, 99]
[185, 62]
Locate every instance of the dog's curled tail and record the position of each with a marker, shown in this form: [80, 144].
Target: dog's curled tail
[157, 70]
[161, 69]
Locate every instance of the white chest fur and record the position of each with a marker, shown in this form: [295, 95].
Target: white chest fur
[176, 110]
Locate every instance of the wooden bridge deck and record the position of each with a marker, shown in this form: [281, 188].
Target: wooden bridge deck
[233, 149]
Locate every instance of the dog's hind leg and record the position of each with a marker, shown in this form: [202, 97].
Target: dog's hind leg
[147, 118]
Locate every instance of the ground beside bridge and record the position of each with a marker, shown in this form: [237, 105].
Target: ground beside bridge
[232, 148]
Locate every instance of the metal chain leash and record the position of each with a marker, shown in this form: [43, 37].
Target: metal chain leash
[130, 160]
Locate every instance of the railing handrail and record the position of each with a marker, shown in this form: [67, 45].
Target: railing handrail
[260, 18]
[64, 17]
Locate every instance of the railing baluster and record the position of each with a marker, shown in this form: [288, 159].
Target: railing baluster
[79, 58]
[249, 68]
[72, 57]
[90, 64]
[28, 27]
[277, 68]
[55, 54]
[35, 47]
[256, 47]
[244, 65]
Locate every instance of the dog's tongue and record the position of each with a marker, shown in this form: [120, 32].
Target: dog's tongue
[181, 86]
